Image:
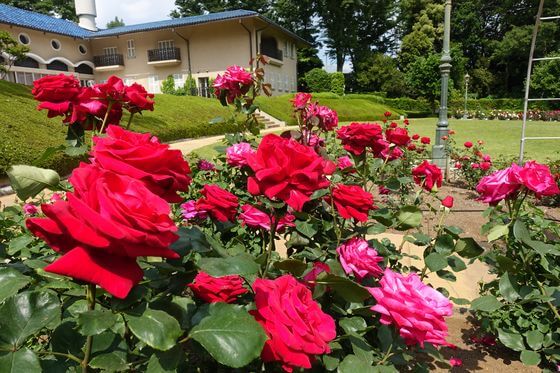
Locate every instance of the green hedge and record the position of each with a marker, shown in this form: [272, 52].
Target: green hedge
[27, 132]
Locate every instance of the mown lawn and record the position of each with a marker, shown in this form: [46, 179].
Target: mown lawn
[501, 138]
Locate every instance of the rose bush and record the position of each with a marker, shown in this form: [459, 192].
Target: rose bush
[269, 259]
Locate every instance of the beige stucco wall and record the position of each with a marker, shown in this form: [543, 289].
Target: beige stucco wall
[213, 47]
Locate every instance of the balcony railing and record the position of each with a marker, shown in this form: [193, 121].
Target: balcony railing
[164, 54]
[108, 60]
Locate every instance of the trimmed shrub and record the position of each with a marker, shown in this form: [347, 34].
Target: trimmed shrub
[318, 80]
[337, 83]
[168, 86]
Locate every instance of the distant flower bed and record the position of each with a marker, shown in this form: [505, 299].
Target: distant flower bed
[544, 115]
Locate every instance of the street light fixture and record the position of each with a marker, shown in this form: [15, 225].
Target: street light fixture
[439, 152]
[467, 77]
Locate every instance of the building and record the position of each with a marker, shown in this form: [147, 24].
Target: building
[200, 47]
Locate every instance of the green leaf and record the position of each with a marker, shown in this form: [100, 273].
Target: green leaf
[497, 232]
[330, 363]
[11, 281]
[468, 248]
[347, 289]
[25, 314]
[306, 228]
[76, 151]
[48, 153]
[164, 362]
[352, 325]
[419, 239]
[19, 243]
[508, 287]
[456, 263]
[530, 357]
[234, 265]
[409, 217]
[295, 267]
[385, 337]
[511, 340]
[190, 238]
[452, 230]
[354, 364]
[376, 229]
[66, 339]
[20, 361]
[110, 362]
[28, 181]
[155, 328]
[109, 352]
[435, 262]
[230, 335]
[445, 244]
[460, 301]
[96, 321]
[534, 339]
[487, 303]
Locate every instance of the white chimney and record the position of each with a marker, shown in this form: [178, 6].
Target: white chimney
[86, 12]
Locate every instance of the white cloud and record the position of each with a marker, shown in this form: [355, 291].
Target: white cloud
[133, 11]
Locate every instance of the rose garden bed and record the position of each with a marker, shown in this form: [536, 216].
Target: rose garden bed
[144, 262]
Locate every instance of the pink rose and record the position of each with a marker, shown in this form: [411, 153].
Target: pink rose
[344, 162]
[328, 119]
[296, 327]
[415, 309]
[236, 155]
[190, 211]
[359, 259]
[537, 178]
[235, 82]
[255, 218]
[30, 209]
[204, 165]
[502, 184]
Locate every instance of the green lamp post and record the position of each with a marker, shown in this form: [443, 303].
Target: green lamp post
[439, 153]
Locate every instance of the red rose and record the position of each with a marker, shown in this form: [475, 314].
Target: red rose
[411, 147]
[415, 136]
[112, 89]
[387, 114]
[234, 83]
[311, 276]
[351, 201]
[425, 140]
[301, 100]
[106, 223]
[57, 94]
[468, 144]
[217, 289]
[219, 203]
[393, 125]
[444, 138]
[296, 327]
[538, 178]
[287, 170]
[356, 137]
[138, 99]
[398, 136]
[93, 103]
[485, 166]
[143, 157]
[427, 175]
[447, 202]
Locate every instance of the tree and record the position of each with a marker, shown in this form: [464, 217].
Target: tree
[318, 80]
[545, 79]
[13, 49]
[117, 22]
[168, 85]
[379, 73]
[186, 8]
[62, 8]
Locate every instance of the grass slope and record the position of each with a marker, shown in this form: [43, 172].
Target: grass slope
[347, 108]
[26, 132]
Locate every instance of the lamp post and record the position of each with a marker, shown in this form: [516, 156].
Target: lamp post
[467, 77]
[439, 152]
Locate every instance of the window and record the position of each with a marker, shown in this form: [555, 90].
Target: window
[286, 48]
[27, 62]
[57, 65]
[179, 81]
[130, 49]
[84, 69]
[293, 51]
[166, 44]
[110, 51]
[55, 44]
[82, 48]
[24, 39]
[154, 84]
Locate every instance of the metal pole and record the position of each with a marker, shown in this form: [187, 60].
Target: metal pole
[465, 116]
[439, 153]
[528, 81]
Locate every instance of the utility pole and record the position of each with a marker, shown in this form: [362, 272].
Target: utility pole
[439, 152]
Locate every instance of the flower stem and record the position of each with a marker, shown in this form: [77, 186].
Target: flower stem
[67, 356]
[90, 297]
[104, 124]
[272, 245]
[129, 121]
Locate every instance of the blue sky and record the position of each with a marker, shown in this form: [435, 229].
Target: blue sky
[139, 11]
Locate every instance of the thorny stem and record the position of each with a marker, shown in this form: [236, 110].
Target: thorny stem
[68, 356]
[129, 121]
[90, 297]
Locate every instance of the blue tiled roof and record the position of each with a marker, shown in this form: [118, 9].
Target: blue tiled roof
[176, 22]
[25, 18]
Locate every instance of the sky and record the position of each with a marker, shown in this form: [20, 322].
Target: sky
[140, 11]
